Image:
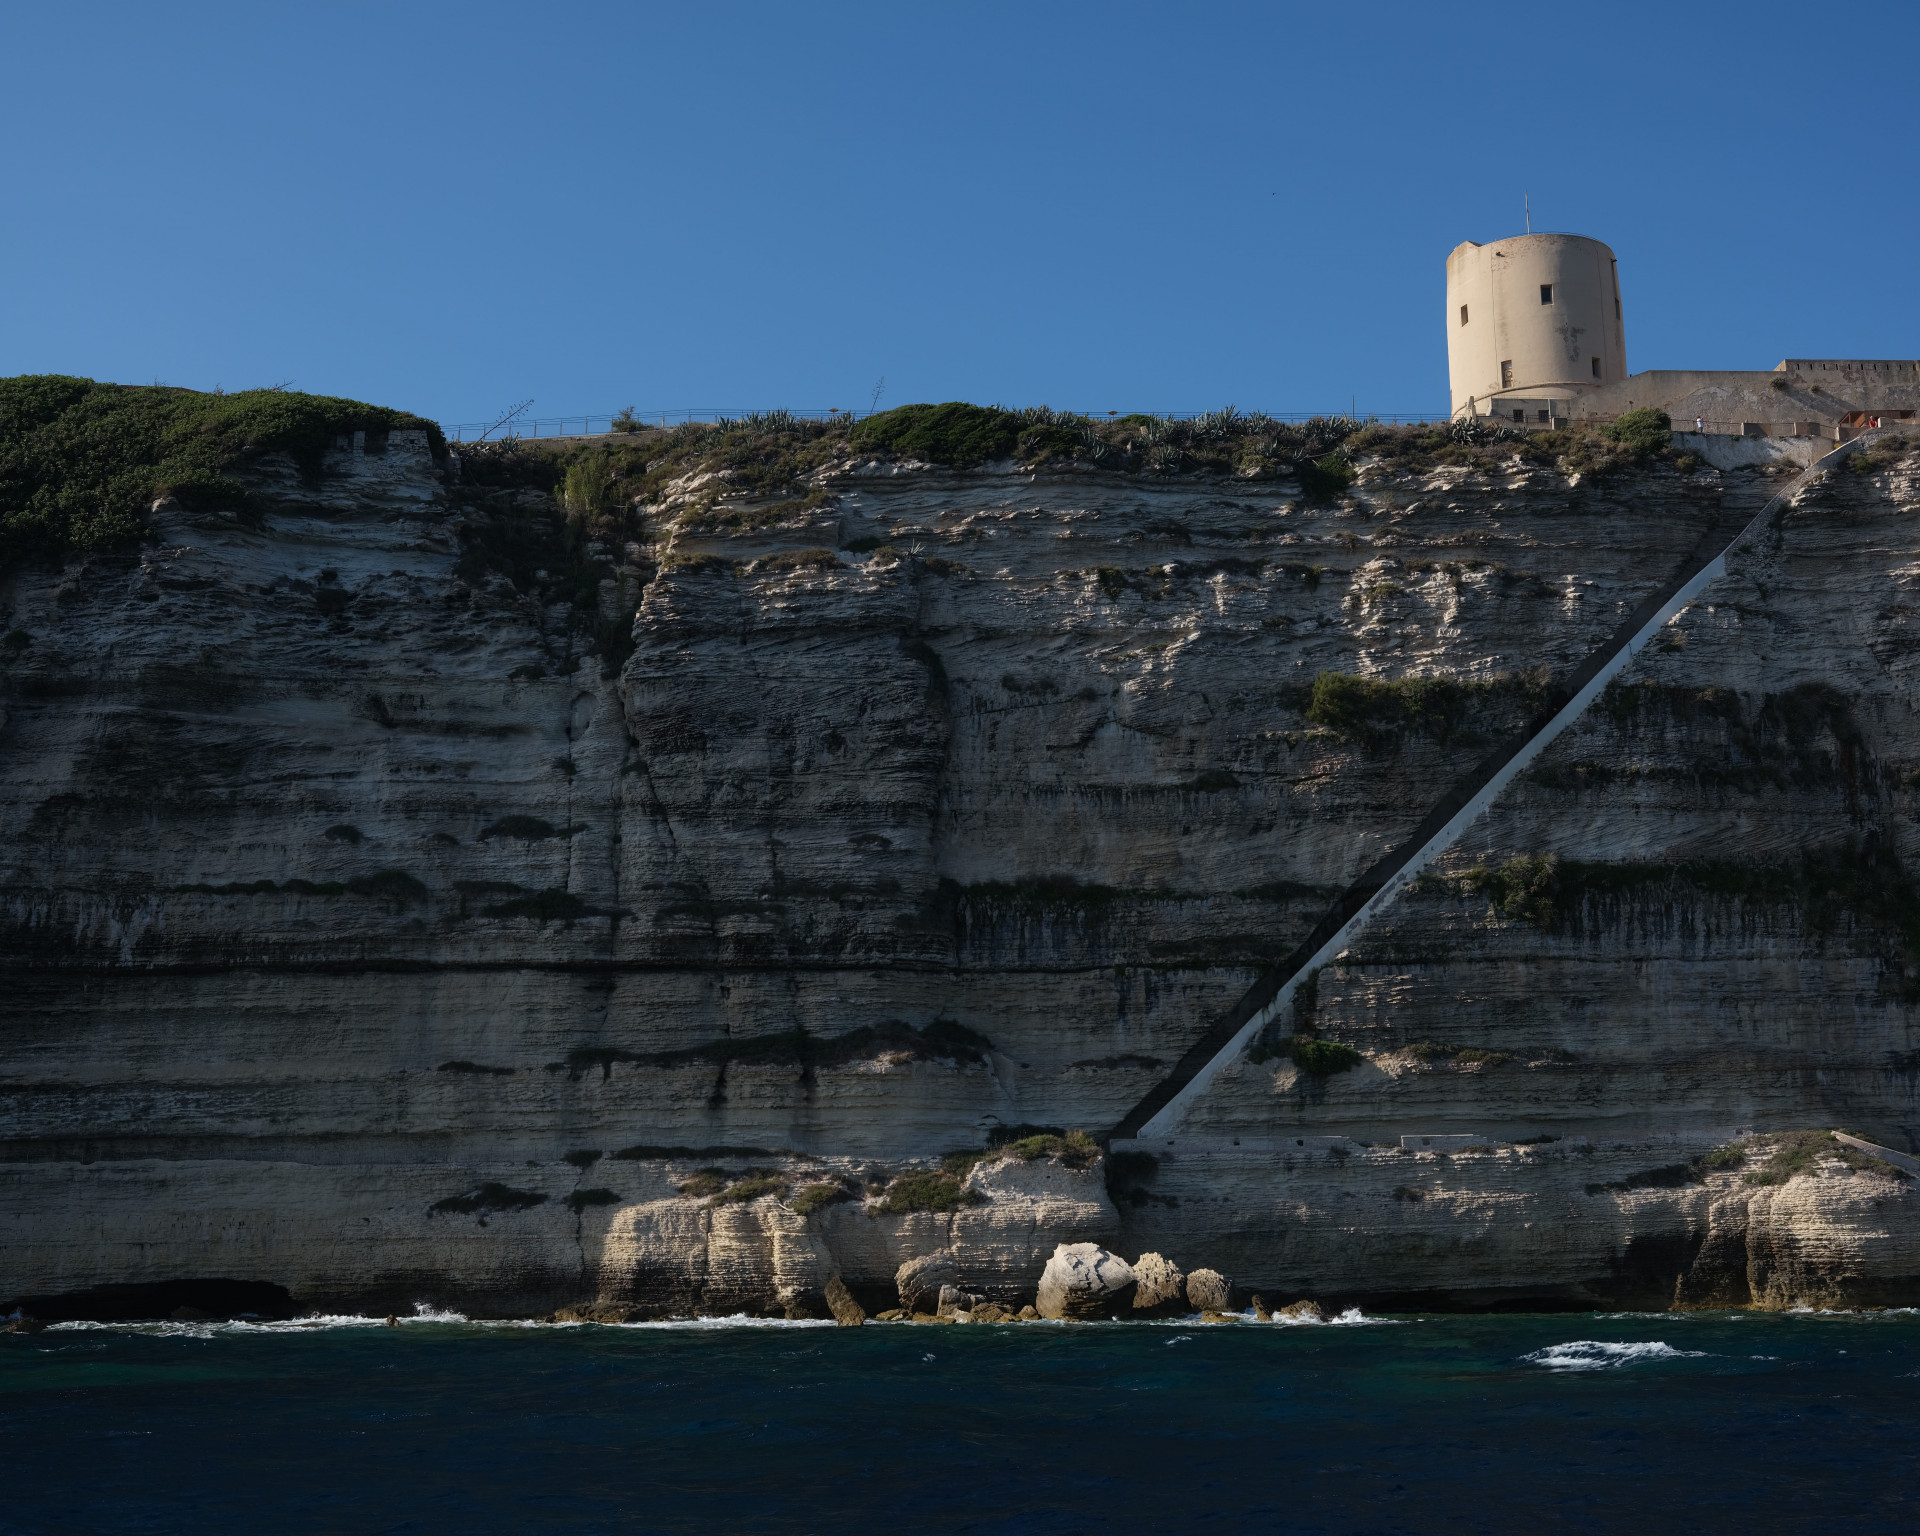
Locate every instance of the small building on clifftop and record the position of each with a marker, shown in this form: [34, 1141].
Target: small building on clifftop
[1536, 337]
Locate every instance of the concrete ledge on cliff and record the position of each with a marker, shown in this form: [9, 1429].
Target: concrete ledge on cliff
[1885, 1154]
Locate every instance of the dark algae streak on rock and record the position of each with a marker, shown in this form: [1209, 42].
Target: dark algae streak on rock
[825, 824]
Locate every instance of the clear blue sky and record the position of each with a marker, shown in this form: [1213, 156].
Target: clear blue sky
[449, 207]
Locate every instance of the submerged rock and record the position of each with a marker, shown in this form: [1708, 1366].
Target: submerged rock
[604, 1312]
[1084, 1280]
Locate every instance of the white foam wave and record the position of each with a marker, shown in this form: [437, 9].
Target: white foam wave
[738, 1320]
[426, 1312]
[1597, 1355]
[1854, 1314]
[206, 1328]
[1353, 1317]
[320, 1322]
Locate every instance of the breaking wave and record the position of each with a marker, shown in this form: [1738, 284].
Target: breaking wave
[423, 1312]
[1595, 1355]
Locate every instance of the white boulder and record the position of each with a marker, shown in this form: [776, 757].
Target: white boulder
[1084, 1280]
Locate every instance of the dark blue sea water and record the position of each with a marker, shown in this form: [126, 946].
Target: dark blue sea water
[1695, 1423]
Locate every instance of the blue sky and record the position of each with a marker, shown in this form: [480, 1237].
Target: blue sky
[448, 208]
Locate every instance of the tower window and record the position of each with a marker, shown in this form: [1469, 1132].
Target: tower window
[1506, 375]
[1463, 314]
[1596, 367]
[1616, 307]
[1546, 293]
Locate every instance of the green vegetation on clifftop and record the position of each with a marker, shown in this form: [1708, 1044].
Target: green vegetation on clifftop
[80, 462]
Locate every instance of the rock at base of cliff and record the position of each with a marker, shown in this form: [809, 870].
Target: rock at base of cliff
[1209, 1291]
[847, 1312]
[1303, 1311]
[954, 1301]
[1160, 1288]
[991, 1312]
[919, 1280]
[604, 1312]
[1083, 1280]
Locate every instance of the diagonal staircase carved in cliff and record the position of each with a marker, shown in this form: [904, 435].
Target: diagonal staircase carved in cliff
[1159, 1112]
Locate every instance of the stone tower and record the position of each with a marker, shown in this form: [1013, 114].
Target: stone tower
[1533, 321]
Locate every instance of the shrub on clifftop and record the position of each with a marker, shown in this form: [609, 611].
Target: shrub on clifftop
[926, 1192]
[954, 433]
[1644, 431]
[81, 462]
[1076, 1149]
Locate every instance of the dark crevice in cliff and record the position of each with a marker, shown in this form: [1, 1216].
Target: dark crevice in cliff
[1858, 892]
[941, 1040]
[185, 1299]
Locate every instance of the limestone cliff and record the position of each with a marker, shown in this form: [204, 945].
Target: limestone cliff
[383, 921]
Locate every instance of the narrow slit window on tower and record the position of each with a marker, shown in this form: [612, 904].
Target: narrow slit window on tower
[1463, 314]
[1596, 367]
[1546, 293]
[1506, 375]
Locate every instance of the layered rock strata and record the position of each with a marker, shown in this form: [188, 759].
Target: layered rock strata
[369, 935]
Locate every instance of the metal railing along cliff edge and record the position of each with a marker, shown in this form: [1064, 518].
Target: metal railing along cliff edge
[562, 426]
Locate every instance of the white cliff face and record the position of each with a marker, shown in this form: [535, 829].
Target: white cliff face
[339, 882]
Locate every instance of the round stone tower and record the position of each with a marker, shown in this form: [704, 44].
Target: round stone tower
[1532, 322]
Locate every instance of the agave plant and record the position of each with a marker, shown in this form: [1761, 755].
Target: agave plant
[1163, 458]
[1257, 455]
[1324, 433]
[1094, 448]
[1217, 426]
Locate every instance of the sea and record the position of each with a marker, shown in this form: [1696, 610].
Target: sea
[1605, 1422]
